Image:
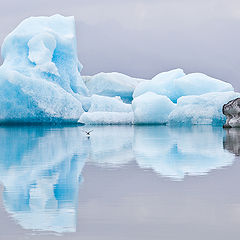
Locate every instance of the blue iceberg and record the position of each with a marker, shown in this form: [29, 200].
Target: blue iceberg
[40, 77]
[40, 81]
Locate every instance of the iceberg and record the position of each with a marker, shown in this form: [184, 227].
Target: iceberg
[40, 77]
[203, 109]
[108, 104]
[175, 84]
[107, 110]
[40, 81]
[162, 84]
[151, 108]
[107, 118]
[112, 85]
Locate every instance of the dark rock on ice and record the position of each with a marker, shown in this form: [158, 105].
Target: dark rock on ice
[232, 111]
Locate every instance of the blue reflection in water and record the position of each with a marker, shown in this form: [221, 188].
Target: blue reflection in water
[40, 170]
[41, 167]
[176, 152]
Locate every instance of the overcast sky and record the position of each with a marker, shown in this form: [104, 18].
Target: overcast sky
[143, 38]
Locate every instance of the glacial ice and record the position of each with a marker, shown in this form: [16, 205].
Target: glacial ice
[152, 108]
[40, 77]
[112, 84]
[107, 110]
[107, 118]
[202, 109]
[162, 84]
[108, 104]
[175, 84]
[40, 81]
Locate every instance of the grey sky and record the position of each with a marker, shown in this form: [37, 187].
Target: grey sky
[143, 38]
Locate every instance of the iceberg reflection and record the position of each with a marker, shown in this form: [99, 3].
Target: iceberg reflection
[177, 152]
[41, 167]
[40, 170]
[112, 146]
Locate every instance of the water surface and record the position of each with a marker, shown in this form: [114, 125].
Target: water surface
[124, 182]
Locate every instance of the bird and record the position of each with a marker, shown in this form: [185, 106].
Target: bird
[87, 132]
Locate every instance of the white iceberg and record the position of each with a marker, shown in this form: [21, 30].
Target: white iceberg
[107, 118]
[108, 104]
[112, 84]
[107, 110]
[151, 108]
[162, 84]
[175, 84]
[202, 109]
[40, 77]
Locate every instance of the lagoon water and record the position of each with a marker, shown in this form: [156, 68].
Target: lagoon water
[124, 182]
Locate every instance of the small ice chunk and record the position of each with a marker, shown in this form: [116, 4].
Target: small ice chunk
[112, 84]
[108, 104]
[162, 84]
[151, 108]
[110, 118]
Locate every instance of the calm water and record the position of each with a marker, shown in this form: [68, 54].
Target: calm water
[124, 182]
